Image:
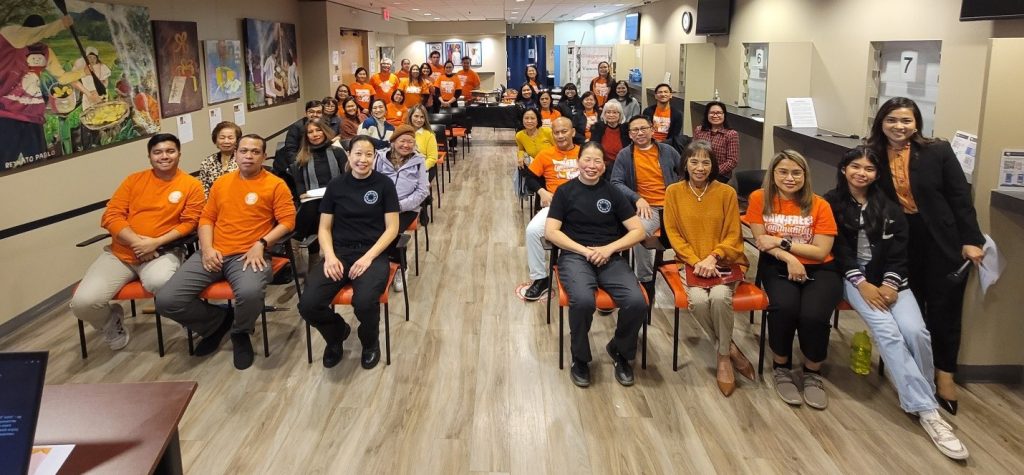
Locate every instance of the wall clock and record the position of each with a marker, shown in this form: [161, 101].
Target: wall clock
[687, 22]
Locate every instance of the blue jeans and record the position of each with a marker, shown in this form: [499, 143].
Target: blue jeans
[905, 346]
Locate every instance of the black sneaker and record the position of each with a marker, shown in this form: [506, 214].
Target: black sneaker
[334, 349]
[537, 290]
[623, 371]
[371, 356]
[211, 344]
[244, 355]
[579, 373]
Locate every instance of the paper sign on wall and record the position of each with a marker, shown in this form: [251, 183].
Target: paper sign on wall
[801, 112]
[215, 118]
[185, 128]
[1011, 170]
[964, 146]
[335, 57]
[908, 66]
[758, 62]
[239, 114]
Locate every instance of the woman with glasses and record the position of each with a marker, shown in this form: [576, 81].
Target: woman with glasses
[723, 139]
[794, 229]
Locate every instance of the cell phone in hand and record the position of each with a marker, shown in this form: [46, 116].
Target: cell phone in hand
[724, 270]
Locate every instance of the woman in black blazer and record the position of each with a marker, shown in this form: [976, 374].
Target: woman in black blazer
[923, 175]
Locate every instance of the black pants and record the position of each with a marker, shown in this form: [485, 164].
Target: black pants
[941, 300]
[581, 279]
[800, 308]
[315, 304]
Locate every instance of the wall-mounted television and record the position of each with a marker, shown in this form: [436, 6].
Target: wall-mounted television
[632, 27]
[713, 17]
[991, 9]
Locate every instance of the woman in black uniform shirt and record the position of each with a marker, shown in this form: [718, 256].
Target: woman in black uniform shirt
[358, 220]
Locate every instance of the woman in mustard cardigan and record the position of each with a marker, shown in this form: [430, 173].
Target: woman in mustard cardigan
[707, 244]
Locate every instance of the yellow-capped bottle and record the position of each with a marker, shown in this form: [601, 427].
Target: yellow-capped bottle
[860, 353]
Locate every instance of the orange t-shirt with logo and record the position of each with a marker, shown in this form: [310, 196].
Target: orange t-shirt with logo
[662, 120]
[600, 87]
[242, 211]
[152, 207]
[547, 117]
[384, 85]
[650, 183]
[591, 120]
[362, 92]
[402, 74]
[469, 81]
[435, 72]
[556, 166]
[396, 114]
[786, 220]
[416, 92]
[447, 87]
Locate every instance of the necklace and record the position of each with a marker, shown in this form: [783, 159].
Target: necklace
[700, 197]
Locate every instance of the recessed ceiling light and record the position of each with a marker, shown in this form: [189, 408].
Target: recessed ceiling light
[427, 14]
[415, 9]
[589, 16]
[619, 4]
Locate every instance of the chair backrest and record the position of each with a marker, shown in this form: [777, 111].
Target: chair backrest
[747, 181]
[307, 219]
[442, 141]
[441, 118]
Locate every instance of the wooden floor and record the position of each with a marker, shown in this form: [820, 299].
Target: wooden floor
[474, 386]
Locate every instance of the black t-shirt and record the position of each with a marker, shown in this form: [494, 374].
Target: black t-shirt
[591, 215]
[358, 207]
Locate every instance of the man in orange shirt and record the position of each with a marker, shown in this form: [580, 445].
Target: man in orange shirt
[384, 82]
[247, 212]
[149, 210]
[404, 72]
[667, 122]
[549, 169]
[436, 68]
[642, 172]
[469, 80]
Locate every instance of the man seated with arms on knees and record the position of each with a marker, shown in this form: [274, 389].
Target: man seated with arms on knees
[642, 172]
[293, 139]
[150, 209]
[593, 223]
[248, 211]
[551, 168]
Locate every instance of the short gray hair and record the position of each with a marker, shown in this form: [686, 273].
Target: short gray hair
[612, 105]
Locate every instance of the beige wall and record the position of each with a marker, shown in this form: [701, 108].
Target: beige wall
[41, 263]
[491, 35]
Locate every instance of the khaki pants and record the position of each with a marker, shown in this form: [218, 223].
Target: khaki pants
[106, 276]
[713, 310]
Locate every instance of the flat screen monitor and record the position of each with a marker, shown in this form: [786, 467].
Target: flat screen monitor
[21, 392]
[713, 17]
[632, 27]
[991, 9]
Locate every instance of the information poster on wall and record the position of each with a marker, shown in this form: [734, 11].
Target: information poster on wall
[586, 60]
[1011, 170]
[964, 146]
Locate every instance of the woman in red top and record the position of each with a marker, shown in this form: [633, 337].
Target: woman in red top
[362, 90]
[589, 113]
[351, 119]
[601, 85]
[611, 133]
[794, 229]
[417, 91]
[724, 141]
[396, 108]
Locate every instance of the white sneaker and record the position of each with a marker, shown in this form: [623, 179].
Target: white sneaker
[114, 332]
[398, 285]
[942, 436]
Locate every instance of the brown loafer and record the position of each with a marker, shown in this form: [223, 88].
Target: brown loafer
[742, 364]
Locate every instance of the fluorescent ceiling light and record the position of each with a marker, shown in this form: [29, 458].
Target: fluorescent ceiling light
[589, 16]
[415, 9]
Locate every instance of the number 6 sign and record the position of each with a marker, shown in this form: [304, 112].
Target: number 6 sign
[908, 66]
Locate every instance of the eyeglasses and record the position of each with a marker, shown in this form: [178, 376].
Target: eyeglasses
[716, 113]
[637, 130]
[793, 173]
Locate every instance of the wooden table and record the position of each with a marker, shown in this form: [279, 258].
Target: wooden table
[116, 428]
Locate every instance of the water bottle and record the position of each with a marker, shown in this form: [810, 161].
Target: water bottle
[860, 353]
[717, 97]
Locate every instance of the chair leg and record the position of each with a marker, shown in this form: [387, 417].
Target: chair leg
[387, 333]
[643, 358]
[561, 337]
[881, 367]
[266, 338]
[309, 345]
[675, 343]
[426, 235]
[760, 351]
[159, 336]
[406, 293]
[835, 319]
[416, 249]
[81, 339]
[132, 302]
[191, 342]
[751, 317]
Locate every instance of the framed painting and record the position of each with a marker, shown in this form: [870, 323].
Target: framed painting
[453, 51]
[386, 52]
[475, 51]
[177, 67]
[271, 63]
[224, 70]
[434, 46]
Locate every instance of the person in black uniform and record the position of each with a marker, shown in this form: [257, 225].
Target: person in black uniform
[593, 223]
[358, 221]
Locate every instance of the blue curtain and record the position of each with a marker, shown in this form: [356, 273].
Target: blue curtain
[522, 51]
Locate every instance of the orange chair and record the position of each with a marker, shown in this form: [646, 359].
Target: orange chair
[344, 297]
[131, 292]
[746, 297]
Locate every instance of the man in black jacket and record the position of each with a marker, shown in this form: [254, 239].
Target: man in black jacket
[667, 122]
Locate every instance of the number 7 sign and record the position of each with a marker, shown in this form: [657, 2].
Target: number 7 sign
[908, 66]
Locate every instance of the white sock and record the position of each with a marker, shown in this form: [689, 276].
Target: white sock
[929, 414]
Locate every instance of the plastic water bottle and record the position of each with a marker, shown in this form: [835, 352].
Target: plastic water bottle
[860, 353]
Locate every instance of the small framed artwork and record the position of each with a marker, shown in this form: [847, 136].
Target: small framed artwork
[453, 51]
[475, 51]
[434, 46]
[386, 52]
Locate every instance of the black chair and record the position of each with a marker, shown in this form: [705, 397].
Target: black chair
[746, 182]
[443, 158]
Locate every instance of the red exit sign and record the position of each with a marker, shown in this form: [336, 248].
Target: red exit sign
[384, 12]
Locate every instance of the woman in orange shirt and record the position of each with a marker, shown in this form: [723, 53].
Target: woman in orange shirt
[589, 113]
[548, 112]
[795, 229]
[362, 90]
[396, 108]
[533, 78]
[417, 90]
[601, 85]
[447, 90]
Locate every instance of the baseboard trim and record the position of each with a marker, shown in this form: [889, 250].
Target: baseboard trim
[1002, 374]
[37, 311]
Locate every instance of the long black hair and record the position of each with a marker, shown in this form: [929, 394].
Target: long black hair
[706, 124]
[874, 212]
[877, 139]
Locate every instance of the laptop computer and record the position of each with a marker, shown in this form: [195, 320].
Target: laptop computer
[21, 392]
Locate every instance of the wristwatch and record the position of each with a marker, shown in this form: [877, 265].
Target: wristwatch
[266, 245]
[786, 244]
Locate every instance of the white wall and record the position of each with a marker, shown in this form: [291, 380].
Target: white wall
[582, 32]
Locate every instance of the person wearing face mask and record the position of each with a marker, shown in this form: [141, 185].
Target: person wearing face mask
[611, 133]
[725, 141]
[225, 137]
[407, 169]
[362, 90]
[587, 220]
[330, 115]
[286, 154]
[150, 209]
[384, 82]
[630, 106]
[248, 211]
[358, 221]
[601, 85]
[871, 250]
[350, 120]
[376, 126]
[704, 246]
[923, 175]
[446, 88]
[318, 161]
[794, 229]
